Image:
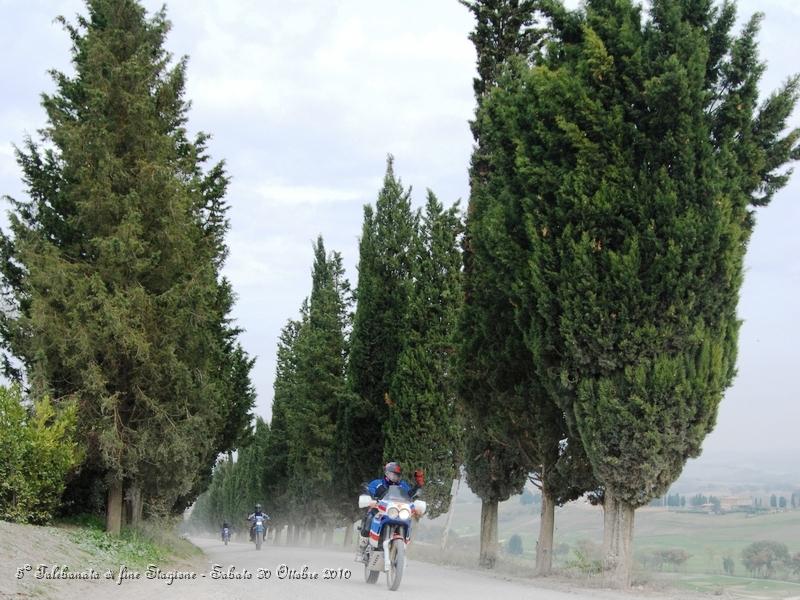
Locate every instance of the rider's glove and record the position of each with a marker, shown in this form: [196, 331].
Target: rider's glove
[419, 477]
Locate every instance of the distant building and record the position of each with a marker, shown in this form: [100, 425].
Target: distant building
[734, 503]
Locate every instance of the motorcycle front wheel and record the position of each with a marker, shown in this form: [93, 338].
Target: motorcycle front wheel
[397, 563]
[258, 540]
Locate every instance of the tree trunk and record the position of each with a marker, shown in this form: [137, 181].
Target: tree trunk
[488, 556]
[296, 536]
[133, 505]
[348, 534]
[617, 540]
[328, 541]
[289, 534]
[544, 548]
[450, 511]
[114, 508]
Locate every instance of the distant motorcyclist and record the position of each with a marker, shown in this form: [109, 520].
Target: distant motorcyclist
[226, 530]
[257, 512]
[377, 488]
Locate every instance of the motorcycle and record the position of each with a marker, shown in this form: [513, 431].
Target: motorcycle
[226, 535]
[389, 534]
[259, 529]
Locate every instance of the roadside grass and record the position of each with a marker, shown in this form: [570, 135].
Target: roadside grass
[151, 542]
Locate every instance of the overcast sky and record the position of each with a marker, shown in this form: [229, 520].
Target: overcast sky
[304, 99]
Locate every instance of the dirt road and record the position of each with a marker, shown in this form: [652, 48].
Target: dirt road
[239, 571]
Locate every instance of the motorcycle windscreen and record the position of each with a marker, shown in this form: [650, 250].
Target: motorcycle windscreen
[396, 494]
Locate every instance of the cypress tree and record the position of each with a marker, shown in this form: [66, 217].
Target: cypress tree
[380, 327]
[494, 374]
[639, 151]
[517, 427]
[112, 266]
[276, 459]
[320, 387]
[424, 428]
[488, 340]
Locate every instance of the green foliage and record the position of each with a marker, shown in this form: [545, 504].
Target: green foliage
[633, 153]
[113, 265]
[151, 543]
[129, 548]
[494, 366]
[762, 558]
[587, 558]
[424, 428]
[503, 28]
[39, 450]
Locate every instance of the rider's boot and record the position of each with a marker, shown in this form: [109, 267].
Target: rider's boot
[362, 546]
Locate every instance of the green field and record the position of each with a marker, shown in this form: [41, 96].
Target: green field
[708, 538]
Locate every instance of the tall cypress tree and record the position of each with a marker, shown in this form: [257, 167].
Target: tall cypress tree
[492, 355]
[516, 430]
[112, 267]
[379, 327]
[276, 459]
[424, 427]
[639, 151]
[320, 387]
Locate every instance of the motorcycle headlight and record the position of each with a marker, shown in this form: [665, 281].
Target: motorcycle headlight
[392, 512]
[405, 514]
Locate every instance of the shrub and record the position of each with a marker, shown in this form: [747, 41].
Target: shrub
[514, 545]
[38, 450]
[587, 558]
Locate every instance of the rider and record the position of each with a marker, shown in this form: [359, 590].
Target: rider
[378, 487]
[257, 512]
[224, 527]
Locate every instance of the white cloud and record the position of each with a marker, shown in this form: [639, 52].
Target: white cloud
[284, 195]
